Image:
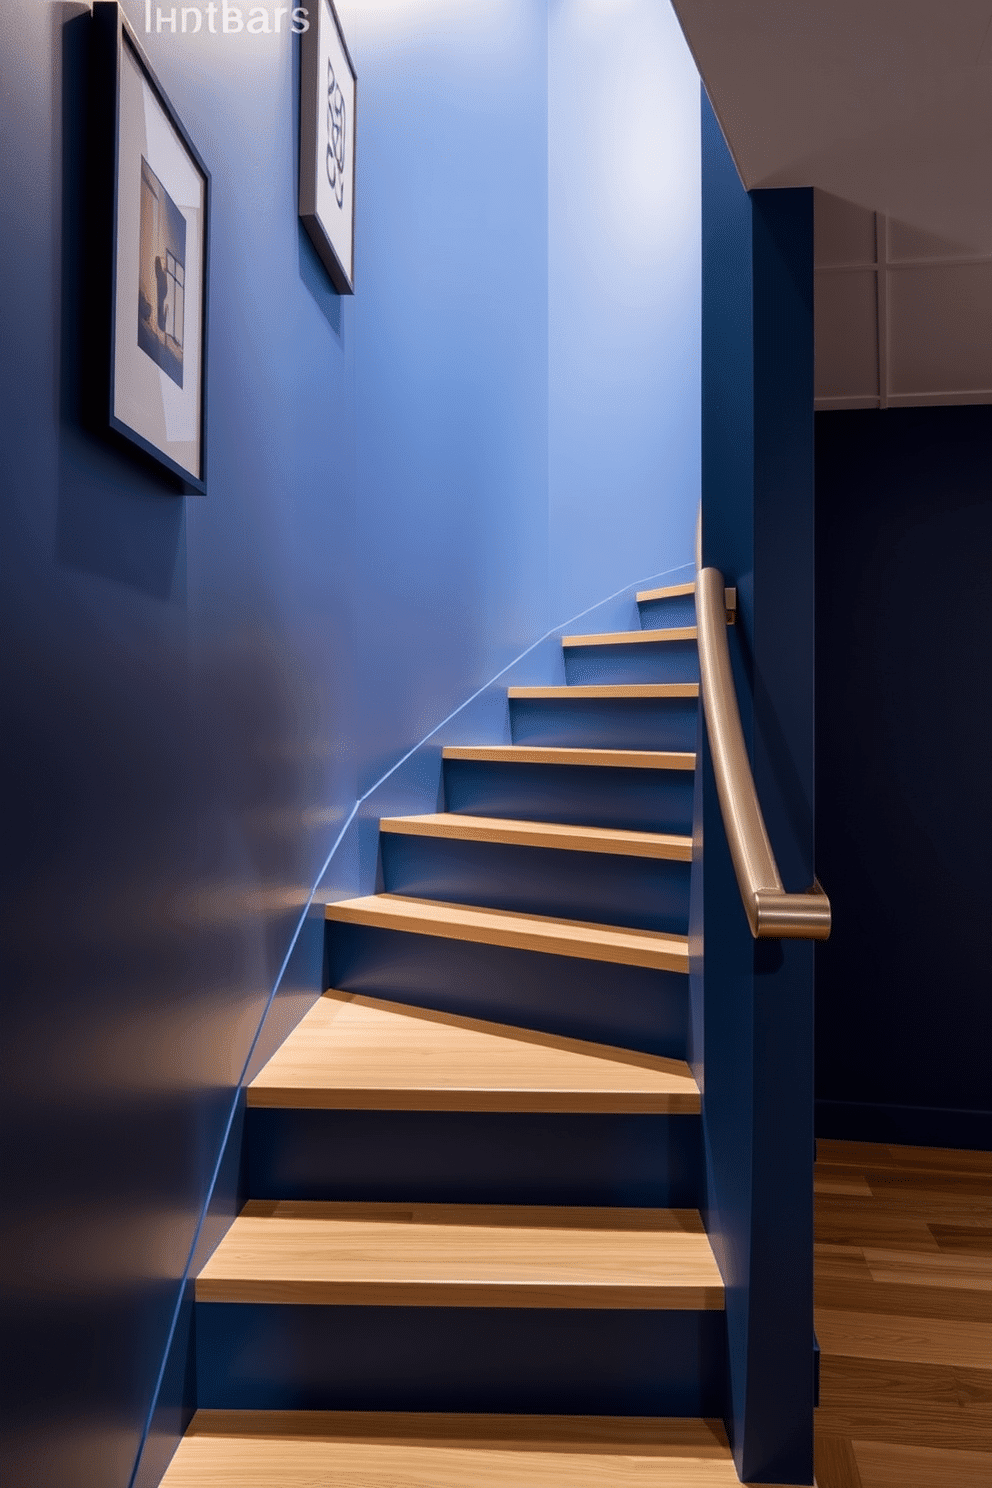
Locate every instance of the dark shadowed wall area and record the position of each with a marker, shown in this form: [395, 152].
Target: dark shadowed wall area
[194, 689]
[904, 785]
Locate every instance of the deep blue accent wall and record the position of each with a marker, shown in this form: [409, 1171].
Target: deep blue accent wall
[752, 1037]
[904, 801]
[196, 690]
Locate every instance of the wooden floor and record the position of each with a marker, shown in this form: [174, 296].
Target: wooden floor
[904, 1317]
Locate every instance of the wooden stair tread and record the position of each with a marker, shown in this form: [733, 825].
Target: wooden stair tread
[668, 591]
[298, 1449]
[528, 932]
[463, 1255]
[352, 1052]
[677, 591]
[501, 829]
[596, 691]
[633, 637]
[541, 754]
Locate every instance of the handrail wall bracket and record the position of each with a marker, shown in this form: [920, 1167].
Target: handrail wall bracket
[772, 912]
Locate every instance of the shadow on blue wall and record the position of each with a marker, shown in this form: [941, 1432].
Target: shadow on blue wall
[904, 801]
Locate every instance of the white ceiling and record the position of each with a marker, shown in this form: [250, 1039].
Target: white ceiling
[883, 103]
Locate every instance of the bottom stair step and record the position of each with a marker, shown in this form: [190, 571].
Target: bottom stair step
[300, 1449]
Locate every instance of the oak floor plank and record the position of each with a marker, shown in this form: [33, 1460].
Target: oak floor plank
[352, 1052]
[936, 1206]
[452, 1255]
[847, 1292]
[963, 1239]
[910, 1340]
[919, 1404]
[908, 1268]
[940, 1159]
[846, 1220]
[835, 1462]
[894, 1465]
[906, 1362]
[841, 1263]
[840, 1180]
[529, 932]
[915, 1183]
[559, 835]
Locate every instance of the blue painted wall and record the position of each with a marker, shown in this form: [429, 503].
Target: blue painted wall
[451, 338]
[753, 1031]
[904, 802]
[623, 125]
[195, 690]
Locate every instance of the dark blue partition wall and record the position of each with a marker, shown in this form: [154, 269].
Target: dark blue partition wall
[756, 1054]
[904, 787]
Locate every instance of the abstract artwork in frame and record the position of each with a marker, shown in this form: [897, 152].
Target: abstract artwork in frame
[327, 145]
[150, 210]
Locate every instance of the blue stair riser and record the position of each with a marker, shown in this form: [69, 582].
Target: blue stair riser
[645, 893]
[658, 614]
[277, 1357]
[585, 795]
[641, 661]
[605, 723]
[475, 1157]
[629, 1006]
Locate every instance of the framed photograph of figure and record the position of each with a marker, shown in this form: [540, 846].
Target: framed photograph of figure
[328, 90]
[151, 213]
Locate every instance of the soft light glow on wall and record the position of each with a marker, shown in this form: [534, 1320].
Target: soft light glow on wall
[641, 141]
[478, 30]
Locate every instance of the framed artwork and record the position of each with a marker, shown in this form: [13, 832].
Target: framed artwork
[327, 144]
[151, 212]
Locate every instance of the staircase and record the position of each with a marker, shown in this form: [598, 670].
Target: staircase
[473, 1252]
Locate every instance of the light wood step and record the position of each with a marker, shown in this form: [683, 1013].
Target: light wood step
[610, 690]
[352, 1052]
[668, 591]
[501, 829]
[677, 591]
[632, 637]
[527, 932]
[301, 1449]
[539, 754]
[463, 1255]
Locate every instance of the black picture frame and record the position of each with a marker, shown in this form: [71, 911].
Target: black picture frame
[148, 261]
[328, 111]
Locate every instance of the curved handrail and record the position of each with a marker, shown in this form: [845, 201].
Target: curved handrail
[771, 911]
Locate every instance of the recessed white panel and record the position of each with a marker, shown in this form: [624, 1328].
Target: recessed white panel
[846, 330]
[908, 242]
[940, 329]
[842, 232]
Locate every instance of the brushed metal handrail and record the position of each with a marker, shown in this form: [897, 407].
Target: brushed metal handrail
[771, 911]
